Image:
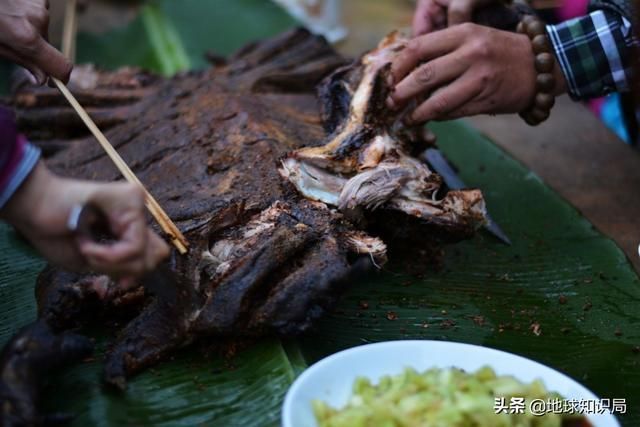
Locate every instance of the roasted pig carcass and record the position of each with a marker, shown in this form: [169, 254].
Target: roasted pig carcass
[273, 186]
[367, 162]
[35, 351]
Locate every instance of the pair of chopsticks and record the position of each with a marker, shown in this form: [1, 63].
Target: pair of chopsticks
[68, 48]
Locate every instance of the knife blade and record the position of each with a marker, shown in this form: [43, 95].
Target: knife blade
[441, 165]
[88, 221]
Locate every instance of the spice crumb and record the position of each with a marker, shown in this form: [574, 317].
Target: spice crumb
[478, 320]
[447, 324]
[536, 329]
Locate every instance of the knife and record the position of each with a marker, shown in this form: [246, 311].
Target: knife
[441, 165]
[88, 221]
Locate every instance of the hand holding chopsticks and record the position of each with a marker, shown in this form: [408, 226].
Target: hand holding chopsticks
[24, 27]
[174, 234]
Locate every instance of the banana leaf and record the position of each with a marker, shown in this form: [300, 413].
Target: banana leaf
[563, 294]
[170, 36]
[199, 386]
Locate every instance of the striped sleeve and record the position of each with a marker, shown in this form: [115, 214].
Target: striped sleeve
[594, 52]
[17, 157]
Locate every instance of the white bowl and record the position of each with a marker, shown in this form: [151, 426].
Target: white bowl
[331, 379]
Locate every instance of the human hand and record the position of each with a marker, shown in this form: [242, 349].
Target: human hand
[24, 27]
[466, 70]
[432, 15]
[40, 209]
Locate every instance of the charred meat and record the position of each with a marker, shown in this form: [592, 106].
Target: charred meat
[367, 163]
[259, 173]
[24, 362]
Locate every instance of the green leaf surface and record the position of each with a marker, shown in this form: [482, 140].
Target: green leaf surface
[222, 26]
[191, 389]
[19, 265]
[170, 35]
[560, 274]
[165, 41]
[196, 387]
[151, 41]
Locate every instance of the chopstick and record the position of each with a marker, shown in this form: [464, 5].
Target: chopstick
[70, 30]
[175, 235]
[69, 50]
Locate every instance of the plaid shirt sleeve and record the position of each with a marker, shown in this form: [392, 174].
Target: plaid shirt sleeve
[594, 52]
[17, 157]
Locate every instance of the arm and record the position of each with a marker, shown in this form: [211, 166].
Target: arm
[623, 8]
[489, 72]
[594, 53]
[17, 157]
[38, 203]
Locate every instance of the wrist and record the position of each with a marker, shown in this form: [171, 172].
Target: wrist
[29, 207]
[527, 74]
[545, 66]
[560, 79]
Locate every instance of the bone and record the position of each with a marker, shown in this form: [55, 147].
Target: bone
[266, 258]
[368, 161]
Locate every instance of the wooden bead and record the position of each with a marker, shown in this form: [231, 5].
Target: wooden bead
[536, 28]
[539, 115]
[527, 118]
[544, 62]
[545, 82]
[528, 19]
[544, 101]
[540, 44]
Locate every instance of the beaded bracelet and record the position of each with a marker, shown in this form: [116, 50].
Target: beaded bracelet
[543, 101]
